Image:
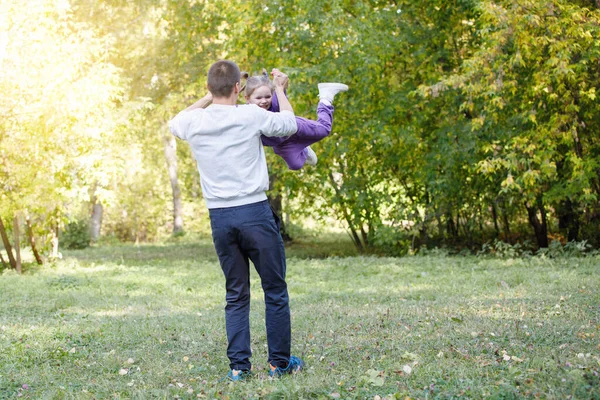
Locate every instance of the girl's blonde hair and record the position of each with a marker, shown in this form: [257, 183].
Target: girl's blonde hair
[256, 81]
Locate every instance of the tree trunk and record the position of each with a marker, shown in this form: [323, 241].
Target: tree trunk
[540, 228]
[96, 216]
[480, 219]
[495, 218]
[17, 239]
[568, 220]
[38, 259]
[423, 229]
[170, 144]
[54, 242]
[450, 225]
[351, 227]
[506, 223]
[438, 217]
[7, 246]
[365, 236]
[355, 237]
[96, 221]
[4, 264]
[276, 203]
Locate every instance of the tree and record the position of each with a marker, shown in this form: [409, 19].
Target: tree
[531, 88]
[57, 95]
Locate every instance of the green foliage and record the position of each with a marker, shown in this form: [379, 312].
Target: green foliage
[556, 249]
[392, 241]
[501, 249]
[57, 111]
[571, 249]
[76, 235]
[468, 120]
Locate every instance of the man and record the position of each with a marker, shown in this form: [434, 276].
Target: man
[225, 140]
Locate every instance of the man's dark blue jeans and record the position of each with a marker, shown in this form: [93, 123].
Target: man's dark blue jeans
[251, 232]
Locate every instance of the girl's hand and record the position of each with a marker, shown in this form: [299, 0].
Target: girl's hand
[279, 79]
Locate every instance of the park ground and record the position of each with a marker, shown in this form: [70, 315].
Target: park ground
[138, 322]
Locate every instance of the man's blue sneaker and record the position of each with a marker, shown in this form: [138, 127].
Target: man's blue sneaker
[295, 365]
[236, 375]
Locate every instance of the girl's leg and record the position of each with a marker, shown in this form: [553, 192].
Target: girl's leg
[293, 150]
[310, 131]
[292, 153]
[272, 140]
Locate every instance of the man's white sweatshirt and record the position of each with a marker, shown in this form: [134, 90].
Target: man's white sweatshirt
[226, 144]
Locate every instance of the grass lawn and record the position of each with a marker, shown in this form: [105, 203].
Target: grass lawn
[148, 322]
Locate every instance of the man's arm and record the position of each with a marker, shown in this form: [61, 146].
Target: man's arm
[279, 124]
[202, 103]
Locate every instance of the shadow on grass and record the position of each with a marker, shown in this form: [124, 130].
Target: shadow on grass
[131, 254]
[331, 245]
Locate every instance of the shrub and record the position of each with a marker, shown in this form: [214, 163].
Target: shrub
[391, 241]
[76, 235]
[570, 249]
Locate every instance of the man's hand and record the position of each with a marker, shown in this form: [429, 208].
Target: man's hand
[280, 80]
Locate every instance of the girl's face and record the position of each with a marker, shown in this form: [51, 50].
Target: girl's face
[261, 96]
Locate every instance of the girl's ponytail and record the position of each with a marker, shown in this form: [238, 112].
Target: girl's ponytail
[245, 76]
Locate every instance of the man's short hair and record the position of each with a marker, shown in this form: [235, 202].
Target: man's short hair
[222, 77]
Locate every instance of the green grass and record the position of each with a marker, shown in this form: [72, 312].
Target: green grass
[147, 322]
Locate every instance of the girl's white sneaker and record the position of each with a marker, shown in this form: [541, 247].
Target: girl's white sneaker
[327, 91]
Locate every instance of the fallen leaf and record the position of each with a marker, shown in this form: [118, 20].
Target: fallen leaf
[409, 356]
[407, 369]
[376, 378]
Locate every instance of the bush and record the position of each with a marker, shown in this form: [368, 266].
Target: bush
[76, 235]
[391, 241]
[570, 249]
[501, 249]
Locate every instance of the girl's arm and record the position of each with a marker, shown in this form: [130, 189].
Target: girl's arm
[275, 102]
[281, 80]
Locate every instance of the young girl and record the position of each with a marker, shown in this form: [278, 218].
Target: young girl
[295, 149]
